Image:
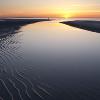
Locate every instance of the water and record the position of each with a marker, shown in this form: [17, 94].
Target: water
[49, 61]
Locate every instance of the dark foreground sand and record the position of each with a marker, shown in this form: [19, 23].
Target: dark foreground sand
[93, 26]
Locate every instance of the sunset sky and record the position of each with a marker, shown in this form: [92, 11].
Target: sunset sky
[50, 8]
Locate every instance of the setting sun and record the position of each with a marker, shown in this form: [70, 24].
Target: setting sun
[67, 15]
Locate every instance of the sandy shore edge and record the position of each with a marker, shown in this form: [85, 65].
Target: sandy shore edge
[18, 22]
[93, 26]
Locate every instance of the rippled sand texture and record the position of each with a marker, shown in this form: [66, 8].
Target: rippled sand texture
[15, 81]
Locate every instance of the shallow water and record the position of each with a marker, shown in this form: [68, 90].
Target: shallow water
[50, 61]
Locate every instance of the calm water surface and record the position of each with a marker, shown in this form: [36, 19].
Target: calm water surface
[50, 61]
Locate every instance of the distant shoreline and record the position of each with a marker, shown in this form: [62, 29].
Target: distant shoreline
[93, 26]
[18, 22]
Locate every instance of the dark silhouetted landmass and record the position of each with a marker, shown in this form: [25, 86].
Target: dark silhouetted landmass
[18, 22]
[93, 26]
[12, 26]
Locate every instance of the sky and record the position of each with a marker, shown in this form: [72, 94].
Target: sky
[50, 8]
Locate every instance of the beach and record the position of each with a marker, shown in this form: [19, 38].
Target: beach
[89, 25]
[49, 61]
[18, 22]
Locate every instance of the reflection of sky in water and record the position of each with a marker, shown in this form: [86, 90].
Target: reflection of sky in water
[54, 40]
[66, 52]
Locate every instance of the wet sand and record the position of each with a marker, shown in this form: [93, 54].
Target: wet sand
[14, 84]
[38, 64]
[93, 26]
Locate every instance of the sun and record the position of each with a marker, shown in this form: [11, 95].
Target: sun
[67, 15]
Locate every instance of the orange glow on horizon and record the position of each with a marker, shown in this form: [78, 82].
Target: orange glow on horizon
[59, 14]
[49, 8]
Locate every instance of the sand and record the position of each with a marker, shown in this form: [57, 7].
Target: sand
[18, 22]
[93, 26]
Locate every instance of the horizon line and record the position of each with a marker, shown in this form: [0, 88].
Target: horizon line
[47, 17]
